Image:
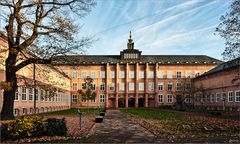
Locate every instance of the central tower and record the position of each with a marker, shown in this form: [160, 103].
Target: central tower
[130, 52]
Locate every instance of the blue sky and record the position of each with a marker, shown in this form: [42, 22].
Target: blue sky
[164, 27]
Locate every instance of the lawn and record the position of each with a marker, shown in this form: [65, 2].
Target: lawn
[165, 123]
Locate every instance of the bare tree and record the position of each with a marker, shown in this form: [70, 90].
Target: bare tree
[37, 31]
[229, 29]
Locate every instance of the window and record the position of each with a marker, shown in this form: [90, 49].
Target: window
[131, 74]
[65, 73]
[15, 112]
[188, 86]
[122, 86]
[93, 100]
[169, 74]
[212, 97]
[188, 74]
[31, 110]
[46, 96]
[112, 86]
[93, 75]
[141, 74]
[74, 74]
[102, 74]
[179, 86]
[74, 86]
[160, 74]
[151, 74]
[170, 98]
[112, 74]
[74, 98]
[179, 74]
[122, 74]
[24, 111]
[83, 74]
[131, 86]
[230, 96]
[141, 86]
[16, 94]
[41, 95]
[218, 97]
[170, 86]
[151, 86]
[160, 86]
[237, 96]
[224, 96]
[24, 95]
[36, 95]
[102, 98]
[188, 99]
[30, 91]
[102, 86]
[160, 98]
[93, 86]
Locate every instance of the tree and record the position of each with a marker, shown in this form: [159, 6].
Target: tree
[37, 31]
[87, 92]
[229, 29]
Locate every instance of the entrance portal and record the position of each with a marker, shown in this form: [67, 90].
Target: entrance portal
[131, 102]
[121, 102]
[141, 102]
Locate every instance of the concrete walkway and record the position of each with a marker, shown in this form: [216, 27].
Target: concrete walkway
[117, 128]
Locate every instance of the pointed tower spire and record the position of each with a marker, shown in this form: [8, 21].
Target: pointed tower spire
[130, 42]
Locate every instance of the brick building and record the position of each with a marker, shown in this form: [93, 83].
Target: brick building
[219, 88]
[132, 79]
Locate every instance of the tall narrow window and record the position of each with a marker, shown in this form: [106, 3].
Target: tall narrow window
[141, 86]
[218, 97]
[131, 74]
[150, 86]
[160, 98]
[102, 86]
[188, 74]
[141, 74]
[121, 86]
[74, 86]
[93, 75]
[160, 74]
[179, 86]
[74, 74]
[160, 86]
[16, 94]
[131, 86]
[179, 74]
[102, 98]
[170, 86]
[102, 74]
[83, 74]
[237, 96]
[230, 96]
[112, 86]
[112, 74]
[74, 98]
[122, 74]
[30, 91]
[169, 74]
[170, 98]
[24, 95]
[150, 74]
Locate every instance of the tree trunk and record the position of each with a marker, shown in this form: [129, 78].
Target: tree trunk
[8, 103]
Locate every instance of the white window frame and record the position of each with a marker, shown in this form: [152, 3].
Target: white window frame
[151, 74]
[112, 86]
[16, 95]
[131, 86]
[74, 98]
[102, 98]
[151, 86]
[178, 86]
[170, 98]
[122, 74]
[141, 86]
[74, 74]
[230, 97]
[93, 74]
[237, 97]
[30, 94]
[121, 86]
[102, 86]
[74, 86]
[24, 93]
[160, 74]
[160, 86]
[168, 86]
[218, 97]
[112, 74]
[178, 74]
[131, 74]
[83, 74]
[160, 98]
[169, 74]
[102, 74]
[141, 74]
[188, 74]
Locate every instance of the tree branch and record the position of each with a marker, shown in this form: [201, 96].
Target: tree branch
[30, 61]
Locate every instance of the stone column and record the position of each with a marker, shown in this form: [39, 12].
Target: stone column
[106, 84]
[126, 84]
[117, 85]
[136, 85]
[156, 86]
[146, 85]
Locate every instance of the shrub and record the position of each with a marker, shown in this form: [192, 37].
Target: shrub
[56, 126]
[5, 132]
[28, 126]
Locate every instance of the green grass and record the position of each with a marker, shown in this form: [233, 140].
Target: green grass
[73, 112]
[152, 114]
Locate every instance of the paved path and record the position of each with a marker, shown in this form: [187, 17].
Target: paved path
[117, 128]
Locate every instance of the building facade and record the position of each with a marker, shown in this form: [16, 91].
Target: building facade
[132, 79]
[219, 88]
[52, 87]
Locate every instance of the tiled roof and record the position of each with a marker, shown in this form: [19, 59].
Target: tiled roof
[224, 66]
[151, 59]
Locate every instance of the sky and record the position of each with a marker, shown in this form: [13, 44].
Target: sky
[159, 27]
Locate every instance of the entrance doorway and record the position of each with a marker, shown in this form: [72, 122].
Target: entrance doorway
[141, 102]
[121, 102]
[131, 102]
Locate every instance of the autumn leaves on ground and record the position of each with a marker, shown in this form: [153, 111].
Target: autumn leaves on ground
[174, 124]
